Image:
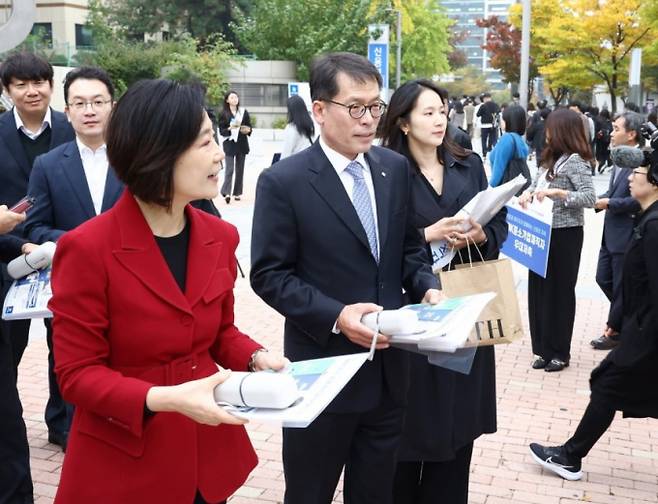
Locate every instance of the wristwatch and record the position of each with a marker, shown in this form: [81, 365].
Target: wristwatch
[252, 362]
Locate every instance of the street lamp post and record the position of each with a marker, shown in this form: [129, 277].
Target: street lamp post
[398, 49]
[525, 55]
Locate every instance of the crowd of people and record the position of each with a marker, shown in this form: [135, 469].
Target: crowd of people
[341, 228]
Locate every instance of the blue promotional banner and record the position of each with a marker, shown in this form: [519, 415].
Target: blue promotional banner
[528, 240]
[378, 47]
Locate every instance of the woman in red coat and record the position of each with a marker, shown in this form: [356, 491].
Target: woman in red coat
[143, 318]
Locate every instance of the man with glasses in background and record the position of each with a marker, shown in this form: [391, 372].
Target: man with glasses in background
[332, 241]
[29, 129]
[72, 184]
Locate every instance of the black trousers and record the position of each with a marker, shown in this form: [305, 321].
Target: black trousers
[233, 164]
[608, 276]
[552, 300]
[596, 420]
[364, 443]
[15, 478]
[59, 414]
[434, 482]
[489, 138]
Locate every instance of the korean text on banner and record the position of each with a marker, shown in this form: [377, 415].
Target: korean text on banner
[529, 238]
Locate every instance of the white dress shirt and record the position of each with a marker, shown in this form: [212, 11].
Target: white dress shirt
[340, 162]
[32, 135]
[95, 165]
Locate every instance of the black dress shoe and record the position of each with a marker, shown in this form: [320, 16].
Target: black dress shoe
[538, 363]
[556, 365]
[227, 199]
[59, 438]
[604, 342]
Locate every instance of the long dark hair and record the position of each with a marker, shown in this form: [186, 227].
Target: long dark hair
[226, 108]
[299, 117]
[398, 111]
[565, 135]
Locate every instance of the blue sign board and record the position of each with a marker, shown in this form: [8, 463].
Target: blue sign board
[378, 56]
[528, 240]
[293, 89]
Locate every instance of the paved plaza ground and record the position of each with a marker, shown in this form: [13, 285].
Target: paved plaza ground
[532, 405]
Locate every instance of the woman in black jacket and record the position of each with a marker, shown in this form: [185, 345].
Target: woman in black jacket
[235, 126]
[446, 410]
[626, 379]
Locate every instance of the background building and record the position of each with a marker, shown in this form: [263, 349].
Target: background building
[62, 23]
[465, 13]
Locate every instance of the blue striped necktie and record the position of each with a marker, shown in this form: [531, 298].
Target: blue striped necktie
[363, 205]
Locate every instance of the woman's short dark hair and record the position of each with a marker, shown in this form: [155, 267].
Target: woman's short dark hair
[565, 135]
[299, 117]
[90, 73]
[398, 112]
[515, 119]
[152, 124]
[325, 70]
[27, 67]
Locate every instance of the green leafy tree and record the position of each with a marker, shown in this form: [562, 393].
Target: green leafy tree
[298, 31]
[469, 80]
[202, 19]
[425, 39]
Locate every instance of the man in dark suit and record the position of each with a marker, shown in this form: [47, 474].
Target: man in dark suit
[620, 208]
[72, 184]
[29, 129]
[332, 241]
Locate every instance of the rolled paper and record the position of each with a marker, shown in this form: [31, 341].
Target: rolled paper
[263, 389]
[38, 259]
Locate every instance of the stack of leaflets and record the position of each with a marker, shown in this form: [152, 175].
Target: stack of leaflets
[318, 381]
[443, 327]
[28, 297]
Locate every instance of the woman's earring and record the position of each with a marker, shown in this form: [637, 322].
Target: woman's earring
[406, 132]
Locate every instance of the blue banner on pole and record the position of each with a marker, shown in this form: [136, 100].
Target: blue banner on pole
[528, 240]
[378, 56]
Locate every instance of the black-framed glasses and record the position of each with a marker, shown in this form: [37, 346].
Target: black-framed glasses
[358, 110]
[94, 104]
[639, 172]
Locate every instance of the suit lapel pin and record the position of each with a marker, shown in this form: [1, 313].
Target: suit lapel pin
[383, 174]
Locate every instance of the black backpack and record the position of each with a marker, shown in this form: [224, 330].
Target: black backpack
[517, 166]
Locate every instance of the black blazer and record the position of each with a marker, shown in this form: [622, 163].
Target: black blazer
[622, 207]
[14, 166]
[242, 145]
[310, 257]
[63, 200]
[447, 410]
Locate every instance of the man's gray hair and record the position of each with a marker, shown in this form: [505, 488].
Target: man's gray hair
[633, 122]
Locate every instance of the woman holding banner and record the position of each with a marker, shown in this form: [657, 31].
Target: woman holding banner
[446, 410]
[566, 179]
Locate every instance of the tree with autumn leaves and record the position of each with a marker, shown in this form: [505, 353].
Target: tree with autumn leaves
[504, 46]
[577, 44]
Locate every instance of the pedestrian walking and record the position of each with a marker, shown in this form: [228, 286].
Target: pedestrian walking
[624, 381]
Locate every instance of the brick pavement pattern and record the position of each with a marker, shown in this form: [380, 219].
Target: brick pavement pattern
[532, 406]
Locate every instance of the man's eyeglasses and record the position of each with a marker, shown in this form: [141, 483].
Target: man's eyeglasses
[639, 172]
[94, 104]
[357, 110]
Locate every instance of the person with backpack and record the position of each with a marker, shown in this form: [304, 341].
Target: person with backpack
[624, 379]
[535, 135]
[508, 157]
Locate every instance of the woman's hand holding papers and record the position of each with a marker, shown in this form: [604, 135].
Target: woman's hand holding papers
[349, 323]
[525, 199]
[443, 229]
[269, 360]
[194, 399]
[475, 235]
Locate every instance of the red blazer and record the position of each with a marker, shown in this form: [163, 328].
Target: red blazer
[122, 325]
